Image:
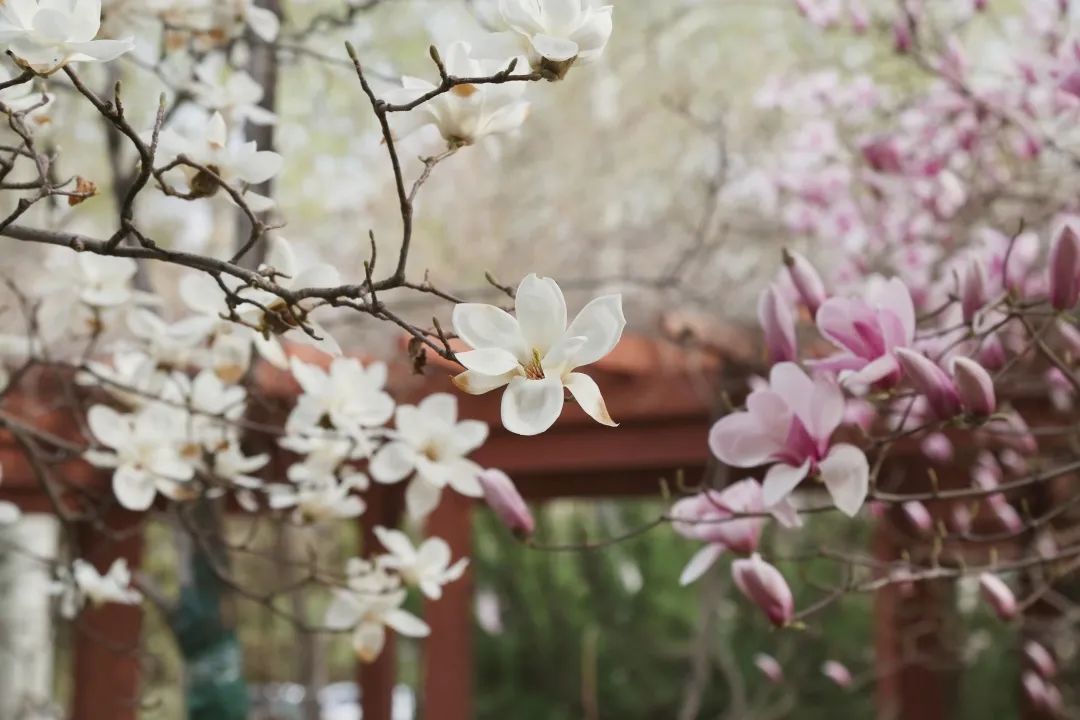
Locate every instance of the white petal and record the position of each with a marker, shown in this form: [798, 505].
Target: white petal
[101, 50]
[393, 462]
[846, 474]
[541, 312]
[344, 611]
[109, 426]
[529, 407]
[478, 384]
[396, 542]
[781, 480]
[492, 362]
[407, 624]
[554, 48]
[260, 167]
[263, 22]
[601, 323]
[703, 559]
[134, 490]
[442, 406]
[486, 326]
[497, 46]
[421, 497]
[469, 435]
[587, 393]
[463, 476]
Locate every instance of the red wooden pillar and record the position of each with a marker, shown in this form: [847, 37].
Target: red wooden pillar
[377, 679]
[107, 639]
[448, 667]
[911, 637]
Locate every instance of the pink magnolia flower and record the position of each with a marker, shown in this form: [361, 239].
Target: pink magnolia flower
[713, 517]
[918, 516]
[974, 386]
[763, 585]
[778, 325]
[869, 330]
[769, 667]
[837, 672]
[973, 289]
[790, 424]
[807, 281]
[506, 502]
[1064, 267]
[930, 380]
[998, 595]
[1040, 659]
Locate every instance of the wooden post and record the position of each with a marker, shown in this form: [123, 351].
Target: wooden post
[916, 676]
[107, 639]
[448, 668]
[377, 679]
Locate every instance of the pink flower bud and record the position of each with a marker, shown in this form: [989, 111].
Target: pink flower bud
[769, 667]
[998, 595]
[1012, 431]
[859, 16]
[506, 502]
[763, 585]
[903, 39]
[882, 155]
[974, 386]
[973, 293]
[931, 381]
[1040, 659]
[918, 516]
[806, 280]
[1006, 514]
[1041, 694]
[992, 353]
[937, 447]
[837, 672]
[980, 5]
[778, 324]
[960, 519]
[1064, 266]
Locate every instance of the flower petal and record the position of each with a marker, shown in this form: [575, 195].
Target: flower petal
[587, 393]
[393, 462]
[492, 362]
[601, 323]
[702, 560]
[541, 312]
[421, 497]
[781, 480]
[477, 384]
[529, 407]
[486, 326]
[846, 474]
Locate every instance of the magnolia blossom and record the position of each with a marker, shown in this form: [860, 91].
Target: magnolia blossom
[868, 329]
[230, 161]
[430, 443]
[467, 112]
[232, 92]
[506, 502]
[1041, 659]
[427, 566]
[79, 287]
[553, 34]
[1064, 268]
[349, 396]
[790, 423]
[266, 316]
[318, 499]
[714, 518]
[778, 325]
[535, 353]
[370, 603]
[84, 584]
[46, 35]
[837, 672]
[769, 667]
[999, 596]
[807, 281]
[142, 449]
[763, 584]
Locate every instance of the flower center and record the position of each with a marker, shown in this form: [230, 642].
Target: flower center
[534, 370]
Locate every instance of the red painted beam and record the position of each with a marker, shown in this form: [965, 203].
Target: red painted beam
[377, 679]
[448, 669]
[107, 639]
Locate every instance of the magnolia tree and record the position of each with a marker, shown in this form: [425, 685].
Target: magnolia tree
[941, 208]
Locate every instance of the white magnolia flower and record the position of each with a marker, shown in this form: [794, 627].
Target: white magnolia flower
[467, 112]
[173, 344]
[143, 449]
[231, 464]
[370, 604]
[232, 92]
[350, 396]
[535, 354]
[46, 35]
[215, 407]
[132, 378]
[326, 455]
[84, 584]
[427, 566]
[78, 291]
[25, 96]
[431, 442]
[236, 163]
[324, 498]
[230, 343]
[554, 34]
